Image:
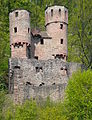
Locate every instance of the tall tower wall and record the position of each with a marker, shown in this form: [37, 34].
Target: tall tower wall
[56, 22]
[20, 37]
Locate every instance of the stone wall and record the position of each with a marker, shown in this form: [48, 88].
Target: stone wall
[39, 78]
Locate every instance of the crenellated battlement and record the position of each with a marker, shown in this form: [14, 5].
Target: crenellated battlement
[55, 14]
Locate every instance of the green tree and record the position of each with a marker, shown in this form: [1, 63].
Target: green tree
[80, 27]
[78, 101]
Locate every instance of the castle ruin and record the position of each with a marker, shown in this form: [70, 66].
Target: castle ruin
[38, 66]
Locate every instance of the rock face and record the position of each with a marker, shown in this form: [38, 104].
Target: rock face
[38, 67]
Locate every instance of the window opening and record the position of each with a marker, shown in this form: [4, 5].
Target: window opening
[42, 41]
[66, 14]
[59, 11]
[28, 30]
[17, 67]
[40, 85]
[16, 14]
[53, 84]
[28, 83]
[61, 68]
[61, 26]
[51, 12]
[15, 29]
[37, 69]
[61, 41]
[36, 57]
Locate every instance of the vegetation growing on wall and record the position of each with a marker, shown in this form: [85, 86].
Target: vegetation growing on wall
[77, 104]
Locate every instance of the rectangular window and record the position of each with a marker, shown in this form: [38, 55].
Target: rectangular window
[36, 57]
[15, 29]
[61, 41]
[42, 41]
[16, 14]
[51, 12]
[28, 30]
[65, 14]
[59, 11]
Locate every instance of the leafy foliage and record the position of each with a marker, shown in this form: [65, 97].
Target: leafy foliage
[27, 111]
[2, 100]
[78, 102]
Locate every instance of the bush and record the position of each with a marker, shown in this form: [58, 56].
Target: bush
[78, 101]
[27, 111]
[2, 103]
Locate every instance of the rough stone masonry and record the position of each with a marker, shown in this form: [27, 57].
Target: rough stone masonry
[38, 66]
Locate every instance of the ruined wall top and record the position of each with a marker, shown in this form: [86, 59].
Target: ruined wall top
[56, 14]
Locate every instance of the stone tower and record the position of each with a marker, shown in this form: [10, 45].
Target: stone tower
[46, 73]
[56, 22]
[20, 37]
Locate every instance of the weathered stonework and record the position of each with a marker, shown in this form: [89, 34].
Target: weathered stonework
[38, 67]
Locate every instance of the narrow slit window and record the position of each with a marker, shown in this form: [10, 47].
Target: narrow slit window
[16, 14]
[61, 41]
[65, 14]
[61, 26]
[28, 30]
[59, 11]
[15, 29]
[42, 41]
[51, 12]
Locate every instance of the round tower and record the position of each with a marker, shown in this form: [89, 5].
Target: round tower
[20, 37]
[56, 22]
